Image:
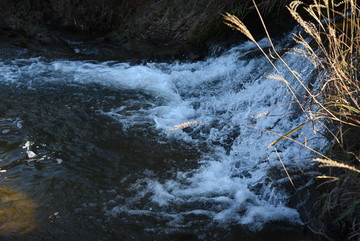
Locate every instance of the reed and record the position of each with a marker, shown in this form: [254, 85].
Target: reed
[334, 27]
[336, 31]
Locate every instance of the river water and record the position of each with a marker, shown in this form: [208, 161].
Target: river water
[86, 152]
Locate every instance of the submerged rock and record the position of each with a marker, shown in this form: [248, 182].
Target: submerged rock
[17, 213]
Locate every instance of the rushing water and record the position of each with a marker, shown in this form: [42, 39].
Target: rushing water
[85, 151]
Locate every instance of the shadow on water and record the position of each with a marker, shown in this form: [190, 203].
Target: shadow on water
[71, 159]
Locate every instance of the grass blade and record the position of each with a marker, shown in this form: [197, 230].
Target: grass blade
[287, 134]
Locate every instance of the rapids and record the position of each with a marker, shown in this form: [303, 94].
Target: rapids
[89, 144]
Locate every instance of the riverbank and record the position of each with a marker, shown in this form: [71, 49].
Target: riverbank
[156, 30]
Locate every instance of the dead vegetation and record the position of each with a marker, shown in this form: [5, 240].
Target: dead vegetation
[163, 22]
[334, 27]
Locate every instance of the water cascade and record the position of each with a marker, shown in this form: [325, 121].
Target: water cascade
[89, 142]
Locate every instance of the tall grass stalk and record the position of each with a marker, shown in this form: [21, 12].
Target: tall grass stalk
[336, 31]
[334, 27]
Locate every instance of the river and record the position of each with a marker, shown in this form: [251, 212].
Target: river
[86, 152]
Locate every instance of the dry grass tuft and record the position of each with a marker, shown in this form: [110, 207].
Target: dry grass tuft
[334, 27]
[335, 50]
[164, 22]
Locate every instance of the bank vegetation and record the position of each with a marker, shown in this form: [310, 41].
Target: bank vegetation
[164, 22]
[334, 27]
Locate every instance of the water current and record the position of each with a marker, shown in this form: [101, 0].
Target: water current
[86, 152]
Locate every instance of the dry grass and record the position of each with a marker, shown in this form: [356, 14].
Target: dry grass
[192, 20]
[336, 32]
[334, 50]
[166, 22]
[182, 21]
[89, 15]
[332, 163]
[84, 15]
[184, 125]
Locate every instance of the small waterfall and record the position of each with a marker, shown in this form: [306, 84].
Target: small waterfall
[231, 177]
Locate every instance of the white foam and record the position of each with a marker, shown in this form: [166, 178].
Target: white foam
[120, 75]
[233, 91]
[235, 103]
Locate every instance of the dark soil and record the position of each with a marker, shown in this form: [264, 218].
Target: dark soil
[159, 30]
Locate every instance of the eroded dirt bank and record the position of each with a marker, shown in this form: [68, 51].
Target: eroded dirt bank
[137, 29]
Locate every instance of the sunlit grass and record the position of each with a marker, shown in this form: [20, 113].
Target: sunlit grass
[334, 27]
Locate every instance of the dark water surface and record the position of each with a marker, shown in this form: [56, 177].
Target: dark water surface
[85, 153]
[80, 158]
